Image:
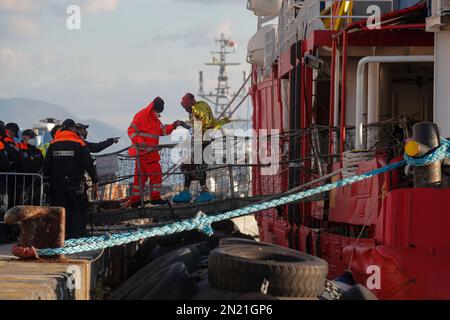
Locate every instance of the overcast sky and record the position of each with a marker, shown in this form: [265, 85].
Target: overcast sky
[126, 53]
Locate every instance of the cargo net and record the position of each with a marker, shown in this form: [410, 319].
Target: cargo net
[387, 136]
[316, 140]
[248, 176]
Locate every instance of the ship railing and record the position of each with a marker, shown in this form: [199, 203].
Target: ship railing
[245, 177]
[19, 189]
[298, 18]
[117, 171]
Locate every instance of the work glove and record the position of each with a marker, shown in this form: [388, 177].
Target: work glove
[185, 125]
[177, 124]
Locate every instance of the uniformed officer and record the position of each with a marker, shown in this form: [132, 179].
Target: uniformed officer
[4, 161]
[31, 161]
[95, 147]
[12, 148]
[67, 161]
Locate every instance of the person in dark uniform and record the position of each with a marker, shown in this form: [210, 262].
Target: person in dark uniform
[4, 161]
[31, 161]
[12, 149]
[4, 168]
[95, 147]
[67, 161]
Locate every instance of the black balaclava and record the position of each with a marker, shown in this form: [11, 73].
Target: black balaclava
[158, 105]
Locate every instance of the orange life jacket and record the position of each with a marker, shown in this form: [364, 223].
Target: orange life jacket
[11, 140]
[67, 135]
[57, 133]
[23, 146]
[144, 132]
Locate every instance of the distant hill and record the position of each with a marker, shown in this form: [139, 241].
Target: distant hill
[26, 112]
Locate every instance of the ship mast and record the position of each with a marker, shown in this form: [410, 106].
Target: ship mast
[221, 97]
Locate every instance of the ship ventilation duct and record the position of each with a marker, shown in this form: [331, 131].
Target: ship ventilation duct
[261, 47]
[265, 8]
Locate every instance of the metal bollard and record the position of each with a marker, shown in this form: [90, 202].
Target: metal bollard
[426, 138]
[41, 227]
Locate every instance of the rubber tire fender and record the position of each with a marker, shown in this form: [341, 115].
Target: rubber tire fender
[290, 273]
[198, 250]
[184, 255]
[144, 250]
[170, 283]
[241, 241]
[181, 239]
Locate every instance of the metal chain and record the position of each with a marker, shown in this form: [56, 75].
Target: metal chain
[264, 286]
[334, 292]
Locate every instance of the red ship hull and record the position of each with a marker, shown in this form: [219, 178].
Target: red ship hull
[377, 222]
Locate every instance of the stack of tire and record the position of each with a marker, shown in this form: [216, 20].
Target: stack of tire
[224, 269]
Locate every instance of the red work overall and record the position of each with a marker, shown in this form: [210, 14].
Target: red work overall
[144, 132]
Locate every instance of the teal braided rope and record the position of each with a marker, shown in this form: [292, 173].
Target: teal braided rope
[203, 222]
[440, 153]
[199, 223]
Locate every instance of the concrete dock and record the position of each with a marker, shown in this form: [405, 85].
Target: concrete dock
[73, 278]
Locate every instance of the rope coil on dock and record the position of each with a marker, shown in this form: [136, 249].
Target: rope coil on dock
[203, 222]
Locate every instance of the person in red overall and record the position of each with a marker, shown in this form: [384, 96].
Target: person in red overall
[144, 132]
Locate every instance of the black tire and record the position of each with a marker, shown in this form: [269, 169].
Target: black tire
[144, 250]
[182, 238]
[241, 241]
[358, 292]
[170, 283]
[214, 240]
[198, 250]
[290, 273]
[158, 252]
[183, 255]
[255, 297]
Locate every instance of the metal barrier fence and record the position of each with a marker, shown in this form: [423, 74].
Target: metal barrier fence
[18, 189]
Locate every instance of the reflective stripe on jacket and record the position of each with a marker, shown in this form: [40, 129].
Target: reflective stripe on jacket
[144, 132]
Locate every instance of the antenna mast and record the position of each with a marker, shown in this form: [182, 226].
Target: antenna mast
[220, 98]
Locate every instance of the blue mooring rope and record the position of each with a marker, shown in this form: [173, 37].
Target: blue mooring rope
[203, 222]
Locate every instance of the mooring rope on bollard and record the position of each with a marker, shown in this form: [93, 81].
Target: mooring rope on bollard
[203, 223]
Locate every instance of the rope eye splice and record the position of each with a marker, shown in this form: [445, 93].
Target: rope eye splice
[204, 227]
[203, 222]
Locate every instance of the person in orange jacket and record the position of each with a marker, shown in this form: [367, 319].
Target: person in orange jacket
[144, 132]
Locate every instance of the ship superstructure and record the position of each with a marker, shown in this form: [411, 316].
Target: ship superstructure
[352, 82]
